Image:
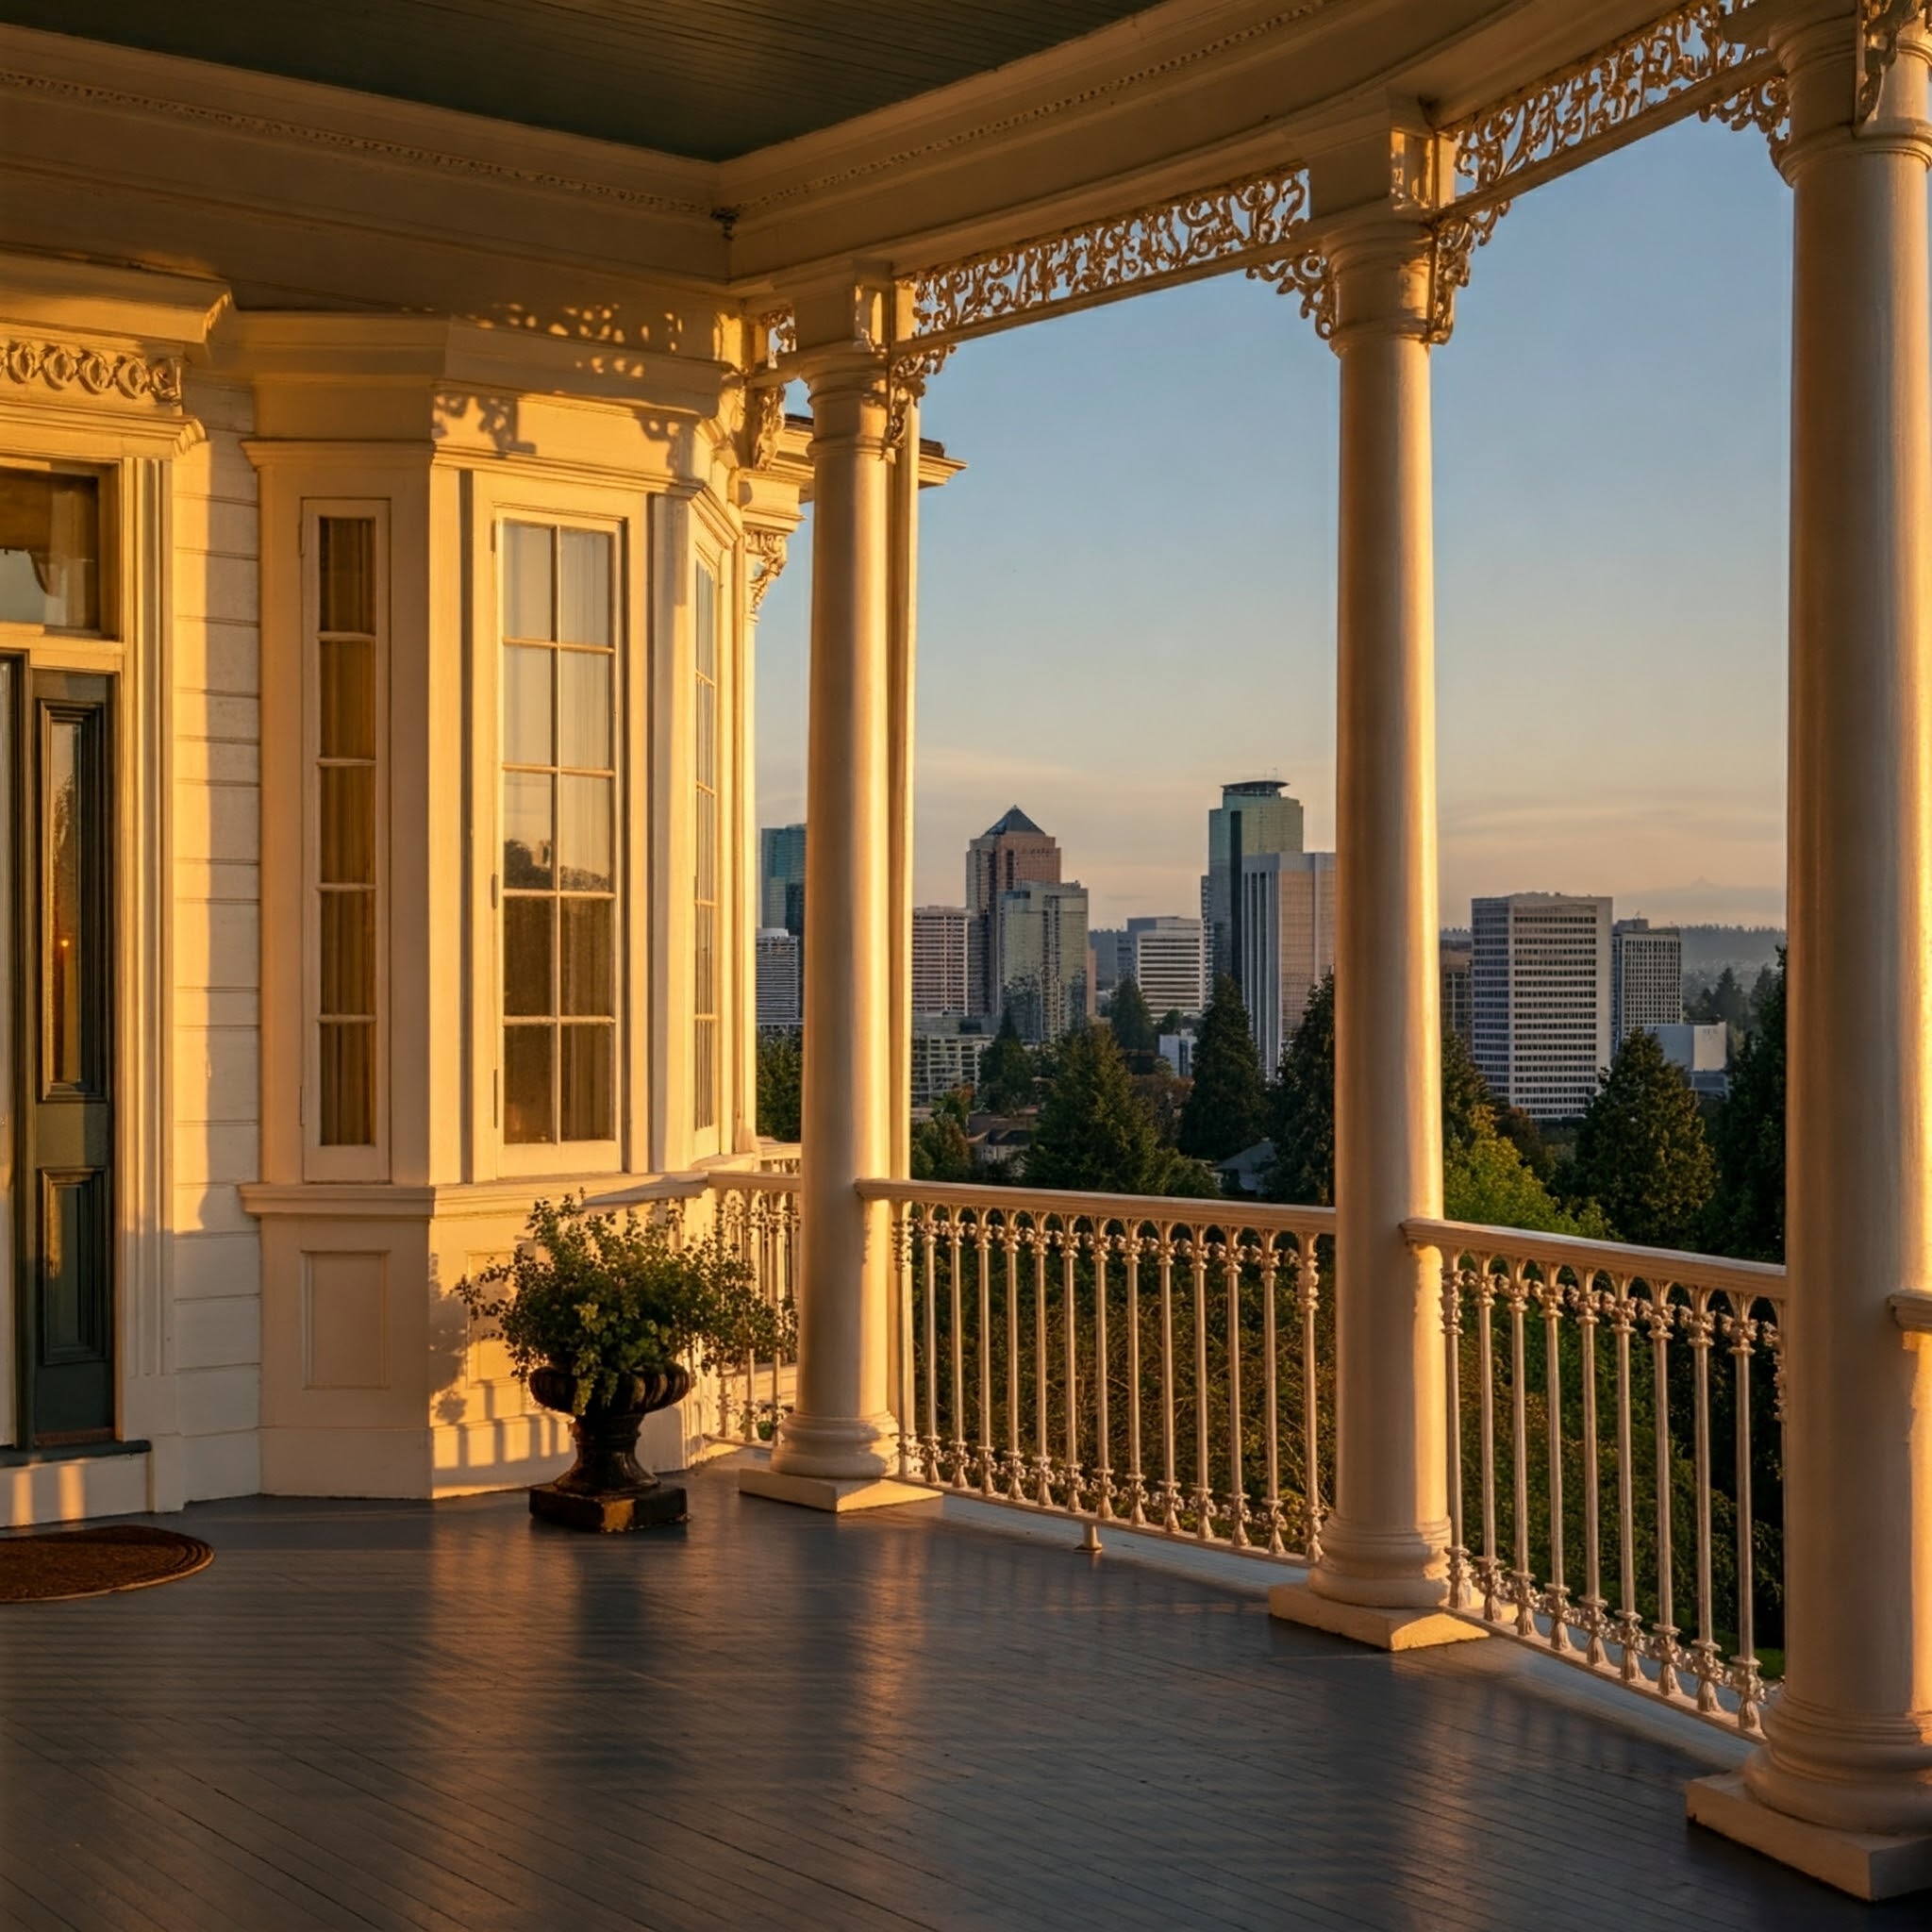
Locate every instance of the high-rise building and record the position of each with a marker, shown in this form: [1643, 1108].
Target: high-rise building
[1008, 853]
[779, 985]
[1541, 987]
[1646, 978]
[1110, 947]
[1043, 959]
[781, 877]
[1458, 1005]
[1286, 925]
[939, 960]
[1166, 956]
[1253, 817]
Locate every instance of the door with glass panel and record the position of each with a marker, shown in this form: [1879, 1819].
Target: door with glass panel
[63, 754]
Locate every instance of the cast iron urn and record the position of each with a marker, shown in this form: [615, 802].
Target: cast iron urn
[605, 1488]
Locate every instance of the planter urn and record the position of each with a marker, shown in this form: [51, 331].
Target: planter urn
[605, 1488]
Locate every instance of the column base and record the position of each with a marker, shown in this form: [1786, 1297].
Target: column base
[830, 1492]
[1866, 1864]
[1386, 1629]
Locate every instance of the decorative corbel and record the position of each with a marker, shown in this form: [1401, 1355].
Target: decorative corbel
[905, 383]
[766, 549]
[1880, 22]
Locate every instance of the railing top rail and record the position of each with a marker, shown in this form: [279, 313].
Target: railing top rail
[1176, 1208]
[741, 1180]
[1612, 1258]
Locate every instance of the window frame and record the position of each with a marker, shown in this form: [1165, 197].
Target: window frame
[618, 519]
[368, 1161]
[20, 636]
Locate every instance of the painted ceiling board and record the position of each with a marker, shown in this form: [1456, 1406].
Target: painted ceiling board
[707, 79]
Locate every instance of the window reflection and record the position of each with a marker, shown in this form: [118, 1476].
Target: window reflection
[50, 549]
[67, 935]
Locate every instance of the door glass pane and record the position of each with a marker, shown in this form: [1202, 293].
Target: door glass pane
[348, 697]
[587, 1110]
[526, 578]
[349, 1067]
[348, 574]
[583, 842]
[348, 954]
[587, 956]
[583, 706]
[584, 605]
[348, 824]
[527, 857]
[527, 1090]
[66, 918]
[526, 947]
[527, 705]
[50, 549]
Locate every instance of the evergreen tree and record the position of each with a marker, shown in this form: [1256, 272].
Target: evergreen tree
[1228, 1109]
[1171, 1022]
[940, 1151]
[1132, 1024]
[1006, 1072]
[1304, 1110]
[781, 1078]
[1468, 1106]
[1747, 1212]
[1640, 1150]
[1092, 1134]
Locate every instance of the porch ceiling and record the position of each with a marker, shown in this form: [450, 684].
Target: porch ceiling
[706, 79]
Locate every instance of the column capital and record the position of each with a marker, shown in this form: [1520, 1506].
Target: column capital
[1862, 81]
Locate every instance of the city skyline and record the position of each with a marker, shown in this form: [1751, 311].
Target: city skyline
[1109, 637]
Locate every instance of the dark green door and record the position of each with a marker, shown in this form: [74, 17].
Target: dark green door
[68, 1207]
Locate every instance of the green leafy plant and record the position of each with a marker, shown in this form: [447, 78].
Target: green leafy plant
[605, 1296]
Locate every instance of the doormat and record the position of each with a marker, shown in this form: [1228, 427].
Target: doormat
[52, 1567]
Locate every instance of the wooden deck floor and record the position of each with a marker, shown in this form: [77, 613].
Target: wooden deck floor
[443, 1717]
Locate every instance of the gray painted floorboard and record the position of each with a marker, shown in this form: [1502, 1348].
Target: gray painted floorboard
[447, 1719]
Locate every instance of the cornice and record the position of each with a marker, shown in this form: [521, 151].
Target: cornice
[359, 126]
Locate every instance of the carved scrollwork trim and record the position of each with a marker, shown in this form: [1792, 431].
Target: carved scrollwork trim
[906, 384]
[764, 422]
[1143, 247]
[1455, 240]
[94, 372]
[1880, 22]
[1308, 276]
[1696, 58]
[766, 550]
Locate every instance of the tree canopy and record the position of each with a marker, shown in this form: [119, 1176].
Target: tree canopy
[1303, 1108]
[1006, 1072]
[1228, 1109]
[1747, 1217]
[1640, 1150]
[1132, 1024]
[781, 1078]
[1094, 1136]
[940, 1151]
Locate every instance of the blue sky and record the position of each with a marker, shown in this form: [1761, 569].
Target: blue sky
[1129, 595]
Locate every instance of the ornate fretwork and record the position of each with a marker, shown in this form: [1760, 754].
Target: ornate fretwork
[94, 372]
[1880, 22]
[765, 420]
[1694, 59]
[1455, 240]
[906, 384]
[765, 550]
[1304, 275]
[1163, 243]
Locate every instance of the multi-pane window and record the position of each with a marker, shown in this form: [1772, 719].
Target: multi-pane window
[705, 834]
[347, 650]
[560, 863]
[50, 549]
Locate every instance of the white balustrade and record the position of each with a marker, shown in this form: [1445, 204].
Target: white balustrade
[1164, 1366]
[1593, 1505]
[756, 1213]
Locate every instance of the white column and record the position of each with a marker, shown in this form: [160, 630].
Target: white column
[837, 1441]
[1383, 1569]
[1849, 1743]
[902, 680]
